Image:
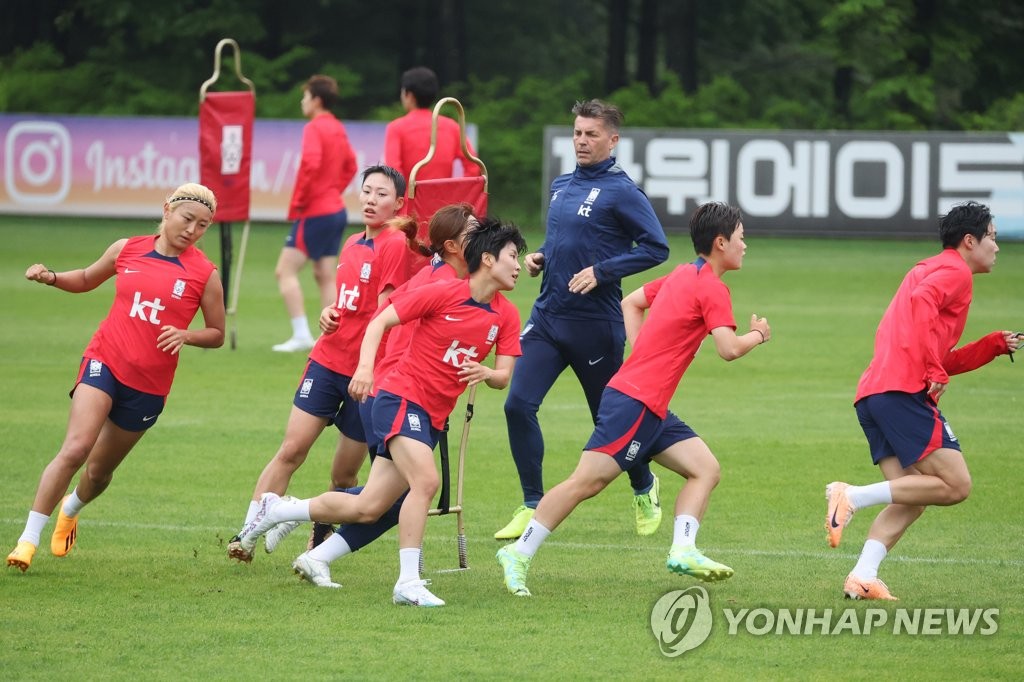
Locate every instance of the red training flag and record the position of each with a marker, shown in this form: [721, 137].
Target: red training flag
[225, 151]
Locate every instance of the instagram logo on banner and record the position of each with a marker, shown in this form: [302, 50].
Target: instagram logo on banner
[38, 168]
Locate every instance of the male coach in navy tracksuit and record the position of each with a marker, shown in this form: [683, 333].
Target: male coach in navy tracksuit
[601, 227]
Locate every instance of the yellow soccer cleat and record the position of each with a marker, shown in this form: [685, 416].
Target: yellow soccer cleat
[517, 525]
[22, 555]
[64, 533]
[689, 561]
[515, 566]
[647, 510]
[856, 588]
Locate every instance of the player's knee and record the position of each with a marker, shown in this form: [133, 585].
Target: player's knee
[710, 471]
[585, 487]
[100, 479]
[291, 456]
[959, 489]
[370, 511]
[344, 481]
[517, 409]
[425, 485]
[72, 457]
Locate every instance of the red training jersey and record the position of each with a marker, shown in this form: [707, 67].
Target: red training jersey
[685, 306]
[327, 165]
[923, 322]
[407, 141]
[365, 268]
[399, 339]
[150, 291]
[452, 329]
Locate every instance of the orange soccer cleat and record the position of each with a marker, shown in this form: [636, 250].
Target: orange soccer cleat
[22, 555]
[839, 511]
[856, 588]
[64, 533]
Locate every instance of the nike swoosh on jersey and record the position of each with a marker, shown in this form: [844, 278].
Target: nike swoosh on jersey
[452, 319]
[594, 362]
[128, 271]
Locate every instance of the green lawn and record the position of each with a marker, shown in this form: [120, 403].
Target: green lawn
[148, 590]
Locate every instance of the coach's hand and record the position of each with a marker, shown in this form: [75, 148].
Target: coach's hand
[534, 263]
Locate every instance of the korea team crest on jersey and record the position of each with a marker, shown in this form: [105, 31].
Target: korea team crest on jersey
[364, 272]
[492, 333]
[634, 448]
[307, 386]
[414, 422]
[179, 288]
[95, 368]
[588, 203]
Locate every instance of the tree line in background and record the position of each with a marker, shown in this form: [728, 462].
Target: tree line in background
[518, 66]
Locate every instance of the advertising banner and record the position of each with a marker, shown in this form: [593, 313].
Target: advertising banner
[870, 184]
[126, 166]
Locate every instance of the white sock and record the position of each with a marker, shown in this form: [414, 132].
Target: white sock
[409, 564]
[73, 504]
[532, 538]
[291, 510]
[684, 532]
[250, 513]
[300, 328]
[870, 559]
[861, 496]
[34, 527]
[330, 549]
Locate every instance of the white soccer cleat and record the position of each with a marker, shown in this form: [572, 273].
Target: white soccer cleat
[260, 524]
[415, 593]
[278, 533]
[293, 345]
[314, 571]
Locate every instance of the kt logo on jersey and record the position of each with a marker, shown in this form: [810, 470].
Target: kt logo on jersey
[588, 203]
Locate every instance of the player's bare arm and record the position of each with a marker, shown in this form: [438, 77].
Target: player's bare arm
[731, 346]
[634, 307]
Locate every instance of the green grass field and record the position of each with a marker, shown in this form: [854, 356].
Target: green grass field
[149, 592]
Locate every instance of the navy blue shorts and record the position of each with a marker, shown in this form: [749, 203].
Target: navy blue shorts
[373, 443]
[628, 431]
[396, 416]
[904, 425]
[318, 236]
[324, 393]
[131, 410]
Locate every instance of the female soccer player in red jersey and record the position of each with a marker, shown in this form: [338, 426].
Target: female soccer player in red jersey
[373, 263]
[634, 424]
[459, 322]
[161, 281]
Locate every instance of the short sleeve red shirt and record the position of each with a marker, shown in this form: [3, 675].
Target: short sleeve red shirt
[685, 306]
[452, 329]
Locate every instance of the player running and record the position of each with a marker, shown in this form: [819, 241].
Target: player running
[897, 396]
[634, 425]
[448, 229]
[458, 324]
[161, 282]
